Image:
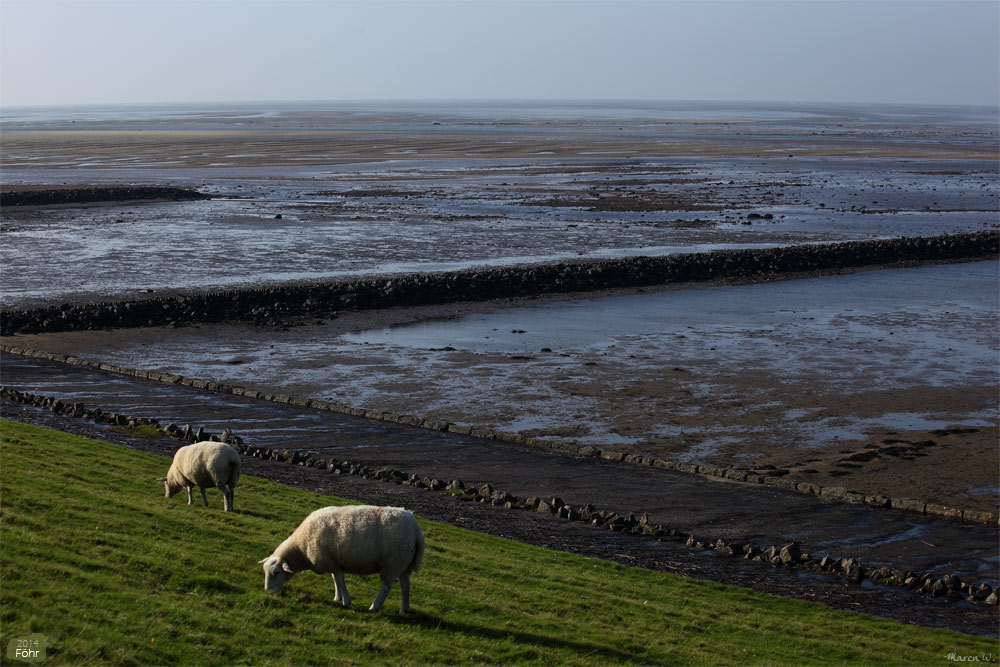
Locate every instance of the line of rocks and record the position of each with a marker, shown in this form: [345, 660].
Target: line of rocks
[790, 555]
[97, 193]
[283, 305]
[779, 480]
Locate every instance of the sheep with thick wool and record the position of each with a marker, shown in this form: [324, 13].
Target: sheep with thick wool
[357, 539]
[204, 464]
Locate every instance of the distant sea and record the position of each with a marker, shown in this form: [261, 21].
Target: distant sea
[329, 115]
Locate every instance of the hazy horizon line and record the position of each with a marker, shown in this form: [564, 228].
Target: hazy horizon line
[492, 100]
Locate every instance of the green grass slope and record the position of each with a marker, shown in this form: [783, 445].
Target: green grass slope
[94, 557]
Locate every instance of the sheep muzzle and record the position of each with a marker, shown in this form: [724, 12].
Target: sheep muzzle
[276, 573]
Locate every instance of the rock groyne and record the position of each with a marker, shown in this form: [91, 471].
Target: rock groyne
[42, 196]
[287, 303]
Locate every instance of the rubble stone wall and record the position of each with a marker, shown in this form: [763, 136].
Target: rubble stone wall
[283, 304]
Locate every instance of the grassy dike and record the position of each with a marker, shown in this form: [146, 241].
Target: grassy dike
[93, 557]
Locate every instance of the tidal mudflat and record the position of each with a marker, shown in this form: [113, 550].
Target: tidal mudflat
[338, 192]
[881, 380]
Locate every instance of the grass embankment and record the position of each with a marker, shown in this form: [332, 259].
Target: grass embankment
[111, 572]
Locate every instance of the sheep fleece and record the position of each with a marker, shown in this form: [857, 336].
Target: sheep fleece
[357, 540]
[205, 464]
[360, 540]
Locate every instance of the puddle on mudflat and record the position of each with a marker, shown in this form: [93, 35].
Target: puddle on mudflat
[908, 310]
[856, 429]
[984, 491]
[914, 532]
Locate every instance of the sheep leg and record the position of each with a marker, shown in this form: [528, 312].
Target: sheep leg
[190, 496]
[226, 502]
[232, 497]
[404, 592]
[383, 593]
[340, 590]
[203, 496]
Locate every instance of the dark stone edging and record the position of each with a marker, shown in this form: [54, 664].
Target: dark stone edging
[790, 555]
[285, 304]
[838, 493]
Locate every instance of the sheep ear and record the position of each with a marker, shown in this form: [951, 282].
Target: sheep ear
[161, 479]
[286, 568]
[262, 561]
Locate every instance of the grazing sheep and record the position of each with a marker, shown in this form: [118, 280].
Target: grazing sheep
[204, 464]
[354, 539]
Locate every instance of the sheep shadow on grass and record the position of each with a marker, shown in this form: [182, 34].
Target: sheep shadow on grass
[432, 622]
[276, 516]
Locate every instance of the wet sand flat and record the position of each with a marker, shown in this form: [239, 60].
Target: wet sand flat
[274, 225]
[150, 149]
[335, 133]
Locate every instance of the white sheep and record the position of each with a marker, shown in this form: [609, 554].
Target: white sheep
[354, 539]
[204, 464]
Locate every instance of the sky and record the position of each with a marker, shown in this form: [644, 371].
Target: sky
[178, 51]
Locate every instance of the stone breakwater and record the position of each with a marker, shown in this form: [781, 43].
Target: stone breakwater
[88, 195]
[282, 305]
[790, 555]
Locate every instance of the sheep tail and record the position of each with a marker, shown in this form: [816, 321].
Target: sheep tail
[234, 471]
[418, 552]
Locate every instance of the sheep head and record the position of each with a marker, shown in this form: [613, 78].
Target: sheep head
[173, 483]
[276, 573]
[171, 490]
